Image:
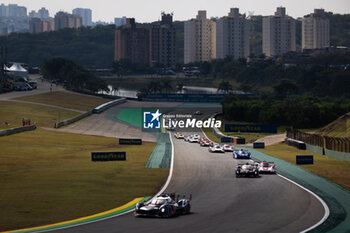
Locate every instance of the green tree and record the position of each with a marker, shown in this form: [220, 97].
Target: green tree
[225, 86]
[285, 86]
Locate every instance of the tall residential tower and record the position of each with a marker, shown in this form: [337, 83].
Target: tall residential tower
[131, 43]
[162, 42]
[232, 35]
[315, 30]
[66, 20]
[86, 15]
[200, 39]
[278, 33]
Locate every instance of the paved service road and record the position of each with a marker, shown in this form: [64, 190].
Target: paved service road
[221, 202]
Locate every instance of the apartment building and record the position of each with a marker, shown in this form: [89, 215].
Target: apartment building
[66, 20]
[38, 25]
[315, 30]
[200, 39]
[232, 35]
[131, 43]
[86, 15]
[163, 42]
[278, 33]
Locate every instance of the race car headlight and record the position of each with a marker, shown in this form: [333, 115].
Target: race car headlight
[162, 210]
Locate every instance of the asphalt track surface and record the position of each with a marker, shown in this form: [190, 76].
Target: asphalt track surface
[221, 202]
[104, 125]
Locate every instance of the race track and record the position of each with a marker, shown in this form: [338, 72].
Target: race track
[106, 124]
[221, 202]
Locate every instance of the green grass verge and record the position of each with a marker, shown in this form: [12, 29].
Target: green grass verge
[12, 113]
[337, 128]
[335, 170]
[66, 100]
[48, 177]
[211, 135]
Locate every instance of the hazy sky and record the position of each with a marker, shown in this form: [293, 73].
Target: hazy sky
[150, 10]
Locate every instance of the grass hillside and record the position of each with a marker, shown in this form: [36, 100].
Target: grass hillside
[66, 100]
[338, 128]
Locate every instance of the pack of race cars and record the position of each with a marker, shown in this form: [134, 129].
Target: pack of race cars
[248, 169]
[169, 205]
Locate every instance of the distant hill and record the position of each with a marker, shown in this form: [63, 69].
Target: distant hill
[94, 47]
[338, 128]
[91, 47]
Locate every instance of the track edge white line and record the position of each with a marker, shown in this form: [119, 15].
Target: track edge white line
[325, 206]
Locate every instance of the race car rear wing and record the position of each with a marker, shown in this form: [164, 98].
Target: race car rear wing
[177, 197]
[183, 196]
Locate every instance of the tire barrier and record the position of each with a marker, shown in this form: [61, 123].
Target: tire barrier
[8, 132]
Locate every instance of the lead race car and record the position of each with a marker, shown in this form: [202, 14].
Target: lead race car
[165, 205]
[179, 136]
[247, 170]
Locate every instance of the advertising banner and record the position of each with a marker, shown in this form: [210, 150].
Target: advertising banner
[108, 156]
[258, 145]
[304, 159]
[126, 141]
[247, 128]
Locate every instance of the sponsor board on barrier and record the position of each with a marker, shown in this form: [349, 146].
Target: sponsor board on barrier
[130, 141]
[108, 156]
[304, 159]
[258, 145]
[248, 128]
[226, 140]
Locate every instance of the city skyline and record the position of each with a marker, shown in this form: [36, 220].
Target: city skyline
[107, 10]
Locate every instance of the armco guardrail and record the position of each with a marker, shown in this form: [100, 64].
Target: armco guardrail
[96, 110]
[298, 144]
[330, 143]
[7, 132]
[70, 121]
[105, 106]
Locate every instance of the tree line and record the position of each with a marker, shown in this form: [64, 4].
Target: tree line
[298, 112]
[323, 75]
[72, 75]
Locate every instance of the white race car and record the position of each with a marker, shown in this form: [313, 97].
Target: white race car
[267, 167]
[228, 148]
[193, 139]
[216, 148]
